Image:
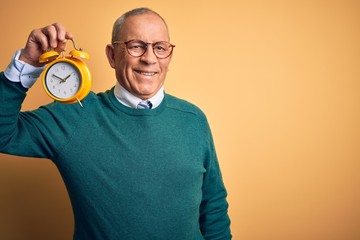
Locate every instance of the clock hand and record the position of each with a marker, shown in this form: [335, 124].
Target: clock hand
[67, 77]
[58, 77]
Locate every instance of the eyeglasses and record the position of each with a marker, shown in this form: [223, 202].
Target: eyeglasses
[137, 48]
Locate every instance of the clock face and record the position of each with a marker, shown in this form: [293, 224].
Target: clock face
[63, 80]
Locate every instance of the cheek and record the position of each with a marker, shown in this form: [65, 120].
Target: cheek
[121, 60]
[165, 67]
[122, 67]
[126, 63]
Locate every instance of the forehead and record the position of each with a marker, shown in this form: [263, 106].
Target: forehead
[146, 26]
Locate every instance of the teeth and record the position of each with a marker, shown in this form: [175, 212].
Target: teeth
[147, 73]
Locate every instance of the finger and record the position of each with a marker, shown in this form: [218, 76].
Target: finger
[40, 39]
[68, 36]
[60, 31]
[56, 35]
[62, 36]
[51, 34]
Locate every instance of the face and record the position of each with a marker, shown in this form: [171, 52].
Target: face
[142, 76]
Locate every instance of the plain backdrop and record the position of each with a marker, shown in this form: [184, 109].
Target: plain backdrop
[279, 82]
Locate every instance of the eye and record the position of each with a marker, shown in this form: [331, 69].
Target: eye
[136, 45]
[160, 47]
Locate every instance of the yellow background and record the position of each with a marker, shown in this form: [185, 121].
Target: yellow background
[279, 81]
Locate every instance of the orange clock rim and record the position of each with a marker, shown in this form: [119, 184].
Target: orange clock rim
[85, 84]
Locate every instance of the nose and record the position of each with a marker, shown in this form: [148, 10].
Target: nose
[149, 56]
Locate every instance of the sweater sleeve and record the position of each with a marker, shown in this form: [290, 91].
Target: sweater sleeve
[11, 97]
[214, 219]
[40, 133]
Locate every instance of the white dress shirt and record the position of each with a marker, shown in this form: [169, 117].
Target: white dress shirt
[19, 71]
[129, 100]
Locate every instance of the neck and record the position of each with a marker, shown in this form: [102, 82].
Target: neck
[130, 100]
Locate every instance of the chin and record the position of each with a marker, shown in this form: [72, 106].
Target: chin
[149, 91]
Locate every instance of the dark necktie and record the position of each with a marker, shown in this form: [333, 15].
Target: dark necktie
[146, 104]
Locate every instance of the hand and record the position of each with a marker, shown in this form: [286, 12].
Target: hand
[40, 40]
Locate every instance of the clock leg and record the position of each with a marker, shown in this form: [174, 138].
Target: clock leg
[79, 102]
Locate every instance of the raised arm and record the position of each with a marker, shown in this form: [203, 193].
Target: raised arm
[21, 133]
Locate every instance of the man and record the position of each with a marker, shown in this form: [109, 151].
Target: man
[131, 173]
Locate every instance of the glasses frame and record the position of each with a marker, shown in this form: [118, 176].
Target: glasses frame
[146, 45]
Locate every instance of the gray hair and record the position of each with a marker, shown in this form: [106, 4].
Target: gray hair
[117, 27]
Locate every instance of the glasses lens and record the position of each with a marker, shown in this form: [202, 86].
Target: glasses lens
[162, 49]
[136, 48]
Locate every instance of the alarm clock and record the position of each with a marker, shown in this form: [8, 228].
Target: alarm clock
[66, 79]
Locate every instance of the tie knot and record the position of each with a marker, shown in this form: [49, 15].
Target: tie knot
[146, 104]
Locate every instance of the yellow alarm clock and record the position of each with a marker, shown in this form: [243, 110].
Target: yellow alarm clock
[66, 79]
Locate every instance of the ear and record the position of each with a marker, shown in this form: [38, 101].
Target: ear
[110, 53]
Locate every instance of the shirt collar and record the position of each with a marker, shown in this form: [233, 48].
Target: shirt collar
[129, 100]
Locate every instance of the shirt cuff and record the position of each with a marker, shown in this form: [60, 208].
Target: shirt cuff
[19, 71]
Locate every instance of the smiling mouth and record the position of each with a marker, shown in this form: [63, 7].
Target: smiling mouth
[146, 73]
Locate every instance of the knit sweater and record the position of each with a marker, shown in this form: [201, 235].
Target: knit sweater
[130, 173]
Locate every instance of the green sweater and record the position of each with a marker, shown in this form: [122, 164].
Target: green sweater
[130, 173]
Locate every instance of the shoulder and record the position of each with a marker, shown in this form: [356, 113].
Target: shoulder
[100, 98]
[182, 105]
[185, 107]
[193, 116]
[87, 105]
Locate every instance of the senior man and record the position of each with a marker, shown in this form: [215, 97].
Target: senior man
[137, 162]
